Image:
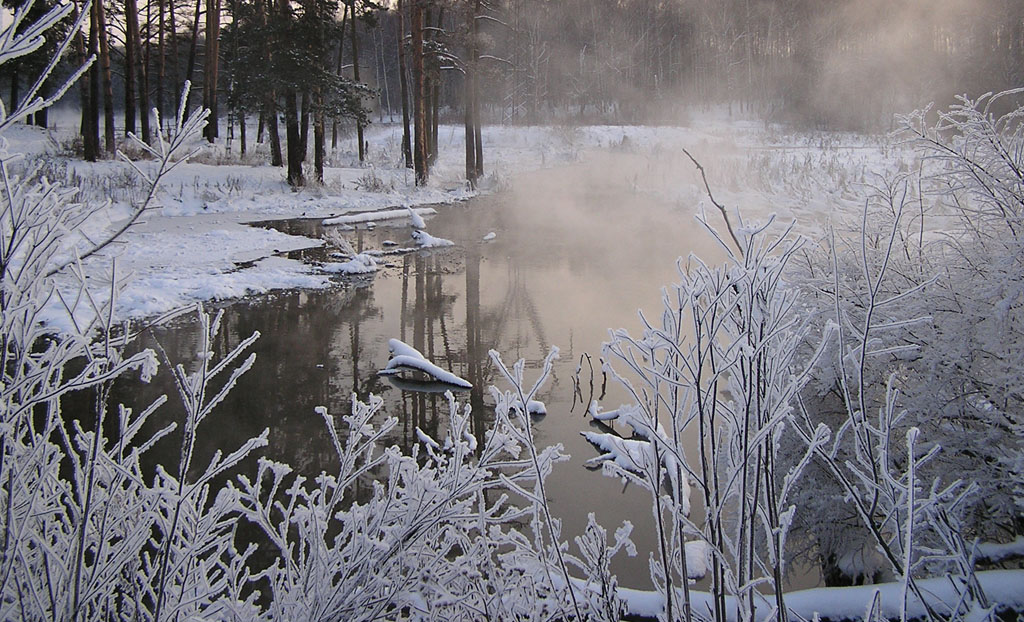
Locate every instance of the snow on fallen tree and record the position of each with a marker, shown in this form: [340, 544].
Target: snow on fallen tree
[385, 214]
[406, 357]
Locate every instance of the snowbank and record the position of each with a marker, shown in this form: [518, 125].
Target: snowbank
[850, 603]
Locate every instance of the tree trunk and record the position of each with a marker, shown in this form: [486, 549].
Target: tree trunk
[15, 83]
[211, 67]
[41, 118]
[341, 47]
[478, 141]
[83, 84]
[269, 113]
[467, 100]
[304, 125]
[176, 76]
[147, 64]
[291, 120]
[435, 91]
[260, 125]
[419, 95]
[318, 137]
[403, 81]
[132, 11]
[161, 62]
[108, 88]
[131, 17]
[355, 76]
[241, 132]
[92, 118]
[190, 64]
[276, 157]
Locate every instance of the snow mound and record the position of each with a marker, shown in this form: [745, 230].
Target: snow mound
[405, 357]
[425, 240]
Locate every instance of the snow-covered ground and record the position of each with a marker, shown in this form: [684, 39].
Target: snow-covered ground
[195, 245]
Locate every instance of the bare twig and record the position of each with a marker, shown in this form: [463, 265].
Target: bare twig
[721, 208]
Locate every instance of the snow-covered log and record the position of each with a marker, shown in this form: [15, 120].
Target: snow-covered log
[376, 215]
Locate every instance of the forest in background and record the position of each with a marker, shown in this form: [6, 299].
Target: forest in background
[871, 382]
[334, 65]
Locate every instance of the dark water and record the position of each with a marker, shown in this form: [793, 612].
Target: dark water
[577, 253]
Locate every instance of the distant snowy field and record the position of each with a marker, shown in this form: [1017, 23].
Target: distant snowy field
[196, 246]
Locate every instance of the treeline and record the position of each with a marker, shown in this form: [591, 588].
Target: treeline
[329, 63]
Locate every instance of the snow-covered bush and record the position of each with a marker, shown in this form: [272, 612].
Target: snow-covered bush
[923, 383]
[719, 366]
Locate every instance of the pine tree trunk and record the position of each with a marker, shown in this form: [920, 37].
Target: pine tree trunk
[108, 88]
[211, 67]
[304, 125]
[41, 119]
[92, 117]
[175, 74]
[131, 8]
[131, 17]
[269, 112]
[260, 125]
[15, 83]
[293, 138]
[475, 99]
[467, 100]
[318, 138]
[419, 95]
[276, 157]
[435, 92]
[355, 76]
[190, 64]
[81, 49]
[435, 114]
[161, 62]
[147, 50]
[403, 80]
[242, 132]
[341, 48]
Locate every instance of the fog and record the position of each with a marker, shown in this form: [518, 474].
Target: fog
[836, 64]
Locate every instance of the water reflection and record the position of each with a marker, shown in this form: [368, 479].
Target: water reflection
[577, 252]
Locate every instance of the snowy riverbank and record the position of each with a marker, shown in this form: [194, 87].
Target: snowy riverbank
[195, 244]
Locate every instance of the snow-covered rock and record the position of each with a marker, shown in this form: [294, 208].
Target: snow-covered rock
[360, 264]
[406, 357]
[425, 240]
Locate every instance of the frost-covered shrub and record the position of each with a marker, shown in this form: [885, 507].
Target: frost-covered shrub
[923, 382]
[719, 366]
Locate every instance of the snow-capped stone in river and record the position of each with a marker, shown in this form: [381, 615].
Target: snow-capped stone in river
[360, 264]
[404, 356]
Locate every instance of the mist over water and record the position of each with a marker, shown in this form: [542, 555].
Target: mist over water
[836, 64]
